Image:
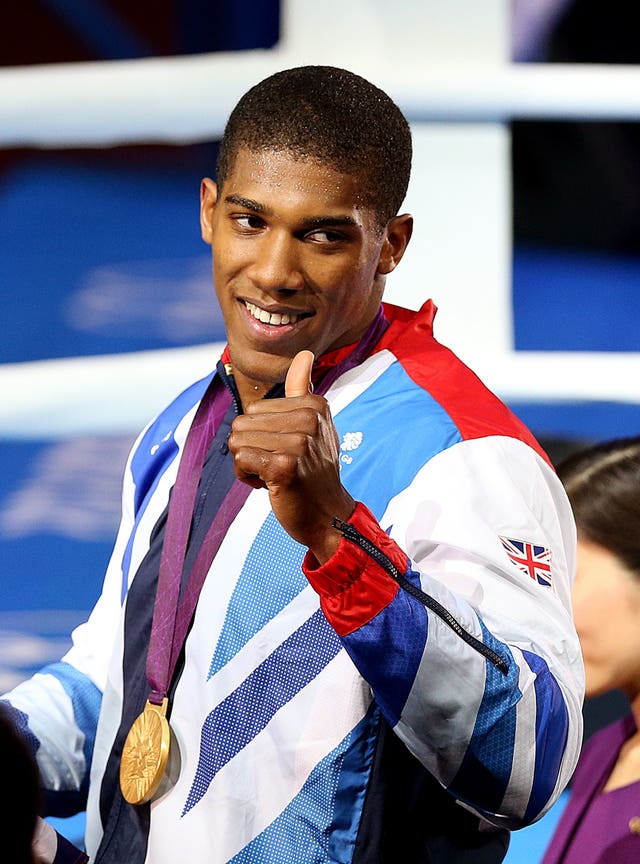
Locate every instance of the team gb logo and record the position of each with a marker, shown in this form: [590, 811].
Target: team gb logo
[350, 441]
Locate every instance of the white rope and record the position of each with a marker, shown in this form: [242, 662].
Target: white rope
[188, 99]
[108, 394]
[119, 394]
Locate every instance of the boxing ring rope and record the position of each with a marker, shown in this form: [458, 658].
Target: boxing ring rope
[187, 99]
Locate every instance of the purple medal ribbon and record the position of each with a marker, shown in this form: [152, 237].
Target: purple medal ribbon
[172, 615]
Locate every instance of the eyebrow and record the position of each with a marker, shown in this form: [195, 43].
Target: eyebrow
[328, 221]
[247, 203]
[308, 222]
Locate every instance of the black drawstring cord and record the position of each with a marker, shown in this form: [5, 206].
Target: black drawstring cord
[438, 609]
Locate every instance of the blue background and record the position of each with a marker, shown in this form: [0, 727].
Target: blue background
[100, 253]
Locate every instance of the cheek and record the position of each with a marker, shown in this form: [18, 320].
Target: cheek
[229, 255]
[608, 631]
[585, 606]
[349, 297]
[224, 272]
[594, 613]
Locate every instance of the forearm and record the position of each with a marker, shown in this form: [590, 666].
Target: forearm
[469, 705]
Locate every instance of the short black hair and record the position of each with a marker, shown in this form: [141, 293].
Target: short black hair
[330, 115]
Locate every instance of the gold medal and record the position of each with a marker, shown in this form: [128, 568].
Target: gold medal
[145, 754]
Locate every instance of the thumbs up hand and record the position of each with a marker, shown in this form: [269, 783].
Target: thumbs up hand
[298, 380]
[290, 447]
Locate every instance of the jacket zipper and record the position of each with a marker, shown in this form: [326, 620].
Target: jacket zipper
[352, 534]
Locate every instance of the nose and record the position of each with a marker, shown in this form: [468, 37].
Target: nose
[276, 264]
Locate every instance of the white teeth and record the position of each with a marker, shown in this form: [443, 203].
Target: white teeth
[265, 317]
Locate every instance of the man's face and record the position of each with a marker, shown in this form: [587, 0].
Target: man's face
[296, 261]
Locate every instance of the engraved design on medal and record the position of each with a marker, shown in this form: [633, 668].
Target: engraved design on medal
[145, 754]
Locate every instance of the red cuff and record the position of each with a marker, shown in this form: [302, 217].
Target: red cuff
[353, 587]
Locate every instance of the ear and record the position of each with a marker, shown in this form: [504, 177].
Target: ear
[208, 198]
[396, 239]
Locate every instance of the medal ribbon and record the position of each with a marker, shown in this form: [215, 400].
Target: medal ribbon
[172, 615]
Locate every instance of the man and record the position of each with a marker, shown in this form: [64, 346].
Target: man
[335, 627]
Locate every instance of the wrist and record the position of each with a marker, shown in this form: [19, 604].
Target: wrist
[327, 540]
[45, 843]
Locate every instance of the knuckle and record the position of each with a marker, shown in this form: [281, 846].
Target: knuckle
[300, 440]
[311, 420]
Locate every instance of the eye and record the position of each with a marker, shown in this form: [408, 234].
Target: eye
[325, 236]
[248, 221]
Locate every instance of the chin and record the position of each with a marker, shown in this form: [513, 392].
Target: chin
[597, 688]
[267, 368]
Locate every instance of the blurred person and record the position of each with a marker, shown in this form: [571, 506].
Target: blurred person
[601, 822]
[26, 839]
[336, 624]
[19, 810]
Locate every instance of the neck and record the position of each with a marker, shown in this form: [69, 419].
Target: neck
[251, 391]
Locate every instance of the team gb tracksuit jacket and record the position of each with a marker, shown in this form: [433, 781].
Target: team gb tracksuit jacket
[407, 701]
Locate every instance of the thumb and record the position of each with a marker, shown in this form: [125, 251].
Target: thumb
[298, 380]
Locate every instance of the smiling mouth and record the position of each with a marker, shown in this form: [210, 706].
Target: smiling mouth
[275, 319]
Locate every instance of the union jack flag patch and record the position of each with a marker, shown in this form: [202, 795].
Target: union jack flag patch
[533, 560]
